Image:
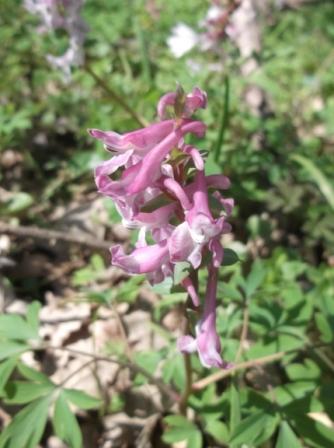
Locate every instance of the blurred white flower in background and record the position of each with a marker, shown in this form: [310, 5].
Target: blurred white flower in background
[182, 40]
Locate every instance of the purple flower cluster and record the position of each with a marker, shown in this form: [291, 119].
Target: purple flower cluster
[158, 184]
[62, 14]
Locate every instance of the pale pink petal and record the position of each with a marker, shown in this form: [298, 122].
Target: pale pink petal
[191, 290]
[180, 243]
[176, 189]
[195, 257]
[217, 252]
[195, 155]
[186, 344]
[218, 181]
[141, 260]
[151, 163]
[141, 140]
[195, 100]
[166, 100]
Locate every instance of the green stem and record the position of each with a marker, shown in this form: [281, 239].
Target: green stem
[183, 403]
[224, 119]
[115, 96]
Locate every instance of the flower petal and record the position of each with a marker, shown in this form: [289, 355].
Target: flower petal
[141, 140]
[180, 243]
[186, 344]
[142, 260]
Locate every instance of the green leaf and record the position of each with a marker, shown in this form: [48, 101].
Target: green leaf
[11, 348]
[13, 326]
[251, 428]
[307, 371]
[211, 166]
[165, 287]
[33, 317]
[235, 415]
[21, 392]
[65, 424]
[182, 429]
[33, 374]
[318, 177]
[268, 430]
[81, 399]
[218, 430]
[230, 257]
[27, 427]
[6, 369]
[313, 432]
[287, 438]
[173, 371]
[128, 291]
[181, 271]
[255, 278]
[148, 361]
[324, 326]
[19, 202]
[167, 302]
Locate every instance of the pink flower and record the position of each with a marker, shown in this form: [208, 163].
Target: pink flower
[143, 260]
[150, 179]
[140, 141]
[149, 168]
[199, 228]
[207, 342]
[197, 99]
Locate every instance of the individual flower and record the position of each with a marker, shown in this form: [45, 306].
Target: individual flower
[206, 342]
[199, 228]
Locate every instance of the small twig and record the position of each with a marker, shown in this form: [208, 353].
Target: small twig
[329, 363]
[201, 384]
[121, 327]
[115, 96]
[71, 375]
[46, 234]
[130, 365]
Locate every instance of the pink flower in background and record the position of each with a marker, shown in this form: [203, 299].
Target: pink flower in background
[62, 14]
[158, 184]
